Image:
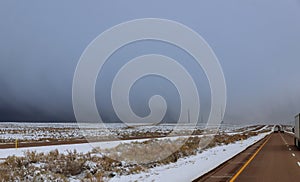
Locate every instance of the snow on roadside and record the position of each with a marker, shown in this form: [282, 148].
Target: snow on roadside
[193, 166]
[81, 148]
[249, 129]
[263, 128]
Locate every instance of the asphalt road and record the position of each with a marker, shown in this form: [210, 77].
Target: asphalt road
[278, 160]
[272, 159]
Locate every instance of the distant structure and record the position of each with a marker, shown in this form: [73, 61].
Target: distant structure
[221, 117]
[189, 118]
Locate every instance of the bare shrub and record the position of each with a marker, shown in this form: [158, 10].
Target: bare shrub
[128, 158]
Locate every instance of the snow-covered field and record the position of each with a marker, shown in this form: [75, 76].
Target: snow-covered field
[9, 131]
[193, 161]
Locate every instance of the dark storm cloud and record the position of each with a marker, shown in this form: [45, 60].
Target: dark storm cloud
[257, 43]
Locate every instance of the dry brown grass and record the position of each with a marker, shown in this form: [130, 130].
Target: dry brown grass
[95, 167]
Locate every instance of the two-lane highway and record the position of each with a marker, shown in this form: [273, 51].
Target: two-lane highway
[272, 159]
[278, 160]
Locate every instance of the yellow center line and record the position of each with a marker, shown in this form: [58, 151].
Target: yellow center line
[248, 162]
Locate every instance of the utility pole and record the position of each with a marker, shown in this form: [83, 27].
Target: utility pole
[189, 119]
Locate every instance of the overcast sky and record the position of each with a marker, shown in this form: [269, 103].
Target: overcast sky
[256, 41]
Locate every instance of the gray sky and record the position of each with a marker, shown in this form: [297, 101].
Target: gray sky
[256, 41]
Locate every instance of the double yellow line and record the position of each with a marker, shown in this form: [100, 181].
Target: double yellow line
[248, 162]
